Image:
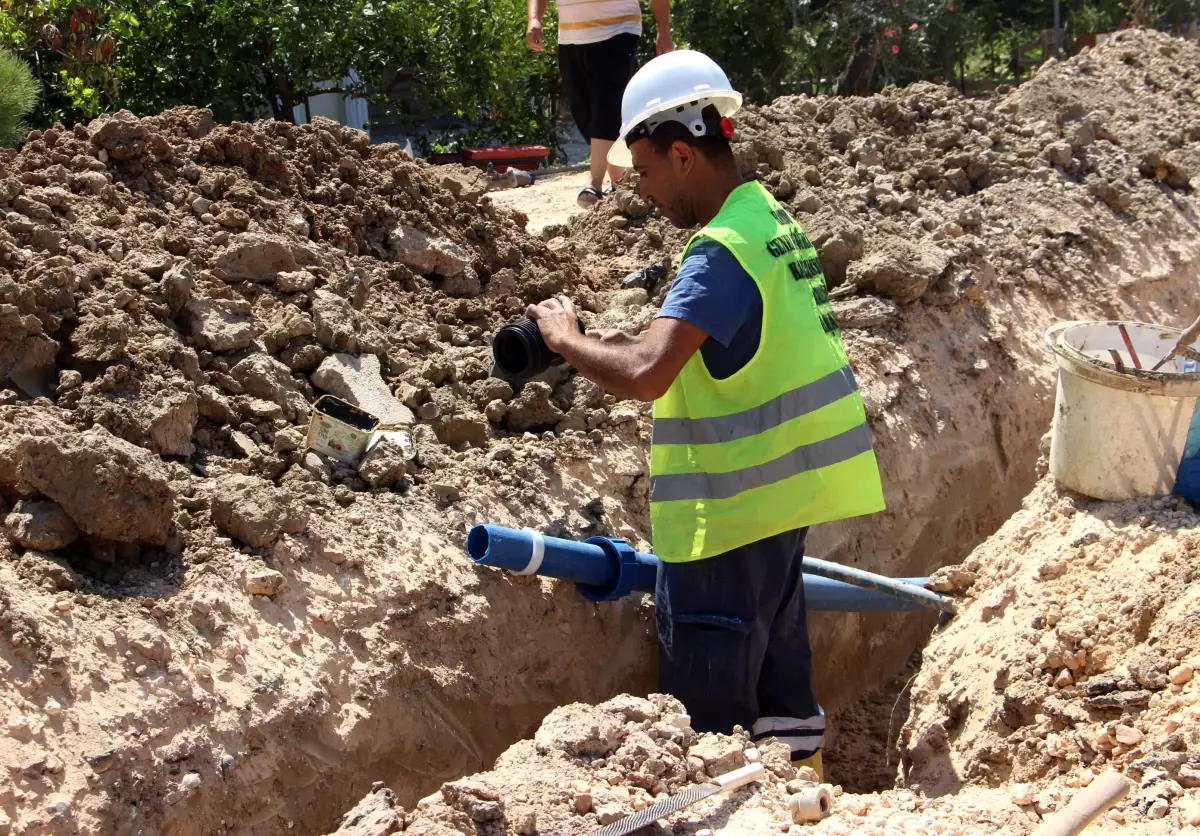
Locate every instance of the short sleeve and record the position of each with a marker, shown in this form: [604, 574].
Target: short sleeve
[712, 291]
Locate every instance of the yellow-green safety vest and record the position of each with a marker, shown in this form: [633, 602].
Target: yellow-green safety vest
[781, 444]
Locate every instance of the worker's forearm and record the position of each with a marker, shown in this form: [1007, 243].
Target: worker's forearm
[537, 9]
[662, 14]
[617, 367]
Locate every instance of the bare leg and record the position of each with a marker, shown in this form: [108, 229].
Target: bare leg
[600, 164]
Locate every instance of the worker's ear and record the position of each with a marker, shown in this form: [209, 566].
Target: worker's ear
[683, 156]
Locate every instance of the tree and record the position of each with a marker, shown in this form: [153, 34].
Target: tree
[240, 56]
[69, 45]
[18, 95]
[469, 58]
[754, 41]
[248, 59]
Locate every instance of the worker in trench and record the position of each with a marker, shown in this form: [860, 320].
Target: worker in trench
[759, 428]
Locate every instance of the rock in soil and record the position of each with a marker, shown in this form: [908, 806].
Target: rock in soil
[255, 511]
[126, 496]
[41, 525]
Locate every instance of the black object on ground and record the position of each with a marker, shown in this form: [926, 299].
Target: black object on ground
[519, 352]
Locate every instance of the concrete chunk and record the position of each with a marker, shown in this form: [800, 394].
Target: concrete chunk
[425, 254]
[358, 380]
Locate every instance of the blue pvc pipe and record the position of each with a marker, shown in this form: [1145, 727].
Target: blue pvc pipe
[569, 560]
[605, 569]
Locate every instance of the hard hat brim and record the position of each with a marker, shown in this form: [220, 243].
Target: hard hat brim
[727, 101]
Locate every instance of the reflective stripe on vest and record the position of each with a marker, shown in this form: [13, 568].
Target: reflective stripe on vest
[839, 448]
[792, 404]
[784, 442]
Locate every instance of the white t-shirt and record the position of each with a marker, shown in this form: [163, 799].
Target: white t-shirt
[591, 21]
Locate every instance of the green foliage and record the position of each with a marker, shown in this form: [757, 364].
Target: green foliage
[1170, 15]
[1091, 19]
[251, 58]
[18, 95]
[70, 47]
[468, 59]
[754, 41]
[244, 58]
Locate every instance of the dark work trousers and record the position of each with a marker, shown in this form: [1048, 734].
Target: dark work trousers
[733, 642]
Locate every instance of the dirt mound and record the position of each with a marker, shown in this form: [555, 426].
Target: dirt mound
[1075, 653]
[920, 193]
[194, 598]
[589, 766]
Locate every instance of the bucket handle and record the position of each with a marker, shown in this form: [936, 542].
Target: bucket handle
[1057, 328]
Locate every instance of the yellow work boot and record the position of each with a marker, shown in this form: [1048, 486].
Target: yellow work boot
[813, 762]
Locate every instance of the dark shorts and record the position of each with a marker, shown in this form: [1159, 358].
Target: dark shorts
[733, 642]
[595, 76]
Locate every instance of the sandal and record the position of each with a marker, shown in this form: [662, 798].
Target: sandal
[588, 197]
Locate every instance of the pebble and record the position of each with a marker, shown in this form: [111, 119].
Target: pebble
[1022, 794]
[190, 782]
[752, 756]
[52, 707]
[855, 805]
[1158, 809]
[1128, 735]
[1181, 674]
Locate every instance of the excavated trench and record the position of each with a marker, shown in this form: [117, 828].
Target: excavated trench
[948, 491]
[292, 631]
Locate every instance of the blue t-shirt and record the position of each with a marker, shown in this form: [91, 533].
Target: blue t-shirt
[715, 293]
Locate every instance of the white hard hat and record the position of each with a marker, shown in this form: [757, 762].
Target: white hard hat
[677, 85]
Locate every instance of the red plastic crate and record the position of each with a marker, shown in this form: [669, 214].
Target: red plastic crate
[525, 157]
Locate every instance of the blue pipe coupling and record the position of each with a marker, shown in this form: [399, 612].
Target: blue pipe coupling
[606, 568]
[602, 568]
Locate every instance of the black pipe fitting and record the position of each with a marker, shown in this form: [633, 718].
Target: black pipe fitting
[519, 352]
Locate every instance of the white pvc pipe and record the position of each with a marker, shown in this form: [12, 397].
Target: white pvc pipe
[811, 804]
[1086, 806]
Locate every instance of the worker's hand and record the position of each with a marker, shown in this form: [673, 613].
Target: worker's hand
[533, 35]
[556, 319]
[611, 336]
[665, 44]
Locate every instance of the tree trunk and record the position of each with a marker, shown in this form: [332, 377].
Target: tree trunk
[860, 70]
[286, 96]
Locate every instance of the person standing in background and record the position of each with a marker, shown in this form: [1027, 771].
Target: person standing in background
[597, 43]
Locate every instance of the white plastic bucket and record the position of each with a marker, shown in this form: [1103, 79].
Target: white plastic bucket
[1124, 432]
